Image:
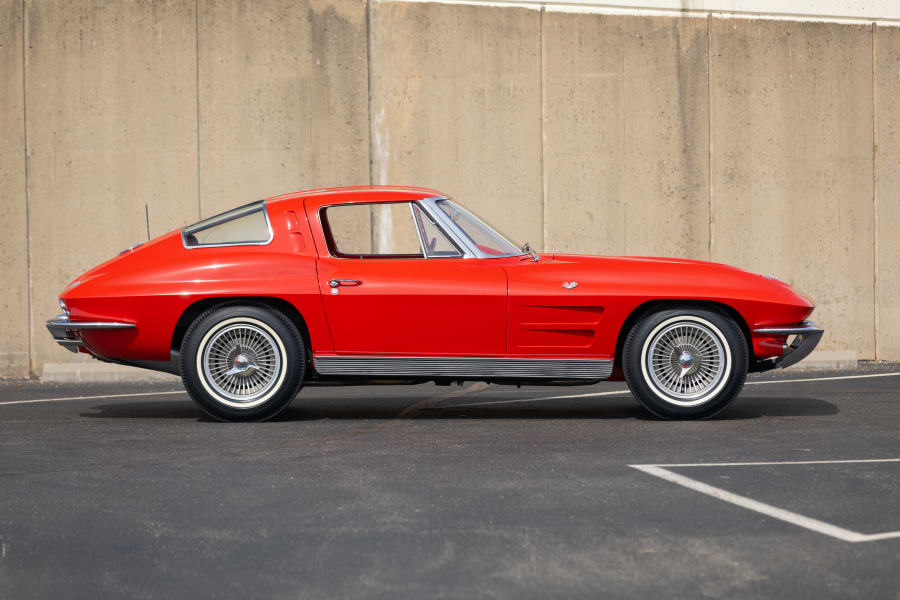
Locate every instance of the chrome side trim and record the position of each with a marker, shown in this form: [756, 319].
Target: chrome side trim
[456, 367]
[806, 340]
[79, 325]
[64, 331]
[799, 349]
[805, 327]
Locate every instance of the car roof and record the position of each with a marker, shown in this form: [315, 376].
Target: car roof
[375, 193]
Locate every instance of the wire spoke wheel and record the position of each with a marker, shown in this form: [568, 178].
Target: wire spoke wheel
[242, 362]
[686, 361]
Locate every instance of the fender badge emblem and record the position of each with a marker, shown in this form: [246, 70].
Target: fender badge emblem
[569, 284]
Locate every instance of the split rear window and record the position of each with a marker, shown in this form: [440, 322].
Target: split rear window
[245, 225]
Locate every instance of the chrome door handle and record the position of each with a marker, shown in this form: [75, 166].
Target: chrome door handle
[337, 282]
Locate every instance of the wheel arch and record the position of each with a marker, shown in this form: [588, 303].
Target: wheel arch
[655, 305]
[198, 307]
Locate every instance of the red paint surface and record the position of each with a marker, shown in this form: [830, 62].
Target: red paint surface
[438, 306]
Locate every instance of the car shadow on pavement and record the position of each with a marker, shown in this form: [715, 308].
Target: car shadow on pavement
[754, 408]
[420, 408]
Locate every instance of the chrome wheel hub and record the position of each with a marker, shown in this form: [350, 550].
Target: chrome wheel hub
[686, 361]
[242, 362]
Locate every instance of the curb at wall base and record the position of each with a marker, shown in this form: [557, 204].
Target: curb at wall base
[830, 360]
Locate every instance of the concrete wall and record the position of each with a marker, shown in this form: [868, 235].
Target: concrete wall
[282, 98]
[792, 164]
[626, 156]
[456, 105]
[887, 191]
[747, 141]
[111, 106]
[14, 335]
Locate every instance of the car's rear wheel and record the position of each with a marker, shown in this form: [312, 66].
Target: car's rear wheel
[685, 363]
[242, 363]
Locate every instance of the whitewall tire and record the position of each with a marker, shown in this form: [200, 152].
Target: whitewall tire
[242, 363]
[685, 363]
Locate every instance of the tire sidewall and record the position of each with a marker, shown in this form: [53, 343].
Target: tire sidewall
[289, 344]
[638, 379]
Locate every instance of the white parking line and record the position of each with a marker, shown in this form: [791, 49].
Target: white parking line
[39, 400]
[587, 395]
[781, 514]
[613, 393]
[835, 378]
[778, 462]
[492, 402]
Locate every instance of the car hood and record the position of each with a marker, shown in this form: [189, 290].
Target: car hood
[588, 259]
[682, 277]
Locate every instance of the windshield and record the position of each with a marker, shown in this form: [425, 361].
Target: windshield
[479, 233]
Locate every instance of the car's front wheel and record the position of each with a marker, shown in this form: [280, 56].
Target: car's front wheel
[685, 363]
[242, 363]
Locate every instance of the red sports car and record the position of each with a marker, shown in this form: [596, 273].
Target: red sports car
[367, 285]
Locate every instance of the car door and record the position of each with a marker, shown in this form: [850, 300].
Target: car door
[393, 284]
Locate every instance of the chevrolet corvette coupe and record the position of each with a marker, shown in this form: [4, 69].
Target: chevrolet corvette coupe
[367, 285]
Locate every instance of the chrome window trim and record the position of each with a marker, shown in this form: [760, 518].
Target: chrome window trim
[320, 212]
[472, 250]
[459, 252]
[417, 225]
[443, 222]
[464, 250]
[447, 224]
[250, 209]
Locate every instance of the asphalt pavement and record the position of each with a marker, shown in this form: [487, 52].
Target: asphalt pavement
[129, 490]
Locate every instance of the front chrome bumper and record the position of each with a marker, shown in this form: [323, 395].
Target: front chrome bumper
[67, 333]
[807, 338]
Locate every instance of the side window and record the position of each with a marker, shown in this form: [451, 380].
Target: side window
[246, 225]
[437, 245]
[381, 230]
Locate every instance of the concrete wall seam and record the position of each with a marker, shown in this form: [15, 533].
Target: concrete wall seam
[709, 142]
[544, 198]
[875, 158]
[197, 100]
[30, 293]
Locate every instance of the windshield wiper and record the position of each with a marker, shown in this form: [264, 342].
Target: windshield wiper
[534, 255]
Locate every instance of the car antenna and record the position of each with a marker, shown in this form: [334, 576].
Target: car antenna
[147, 217]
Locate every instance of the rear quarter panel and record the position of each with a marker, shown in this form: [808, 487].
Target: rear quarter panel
[153, 285]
